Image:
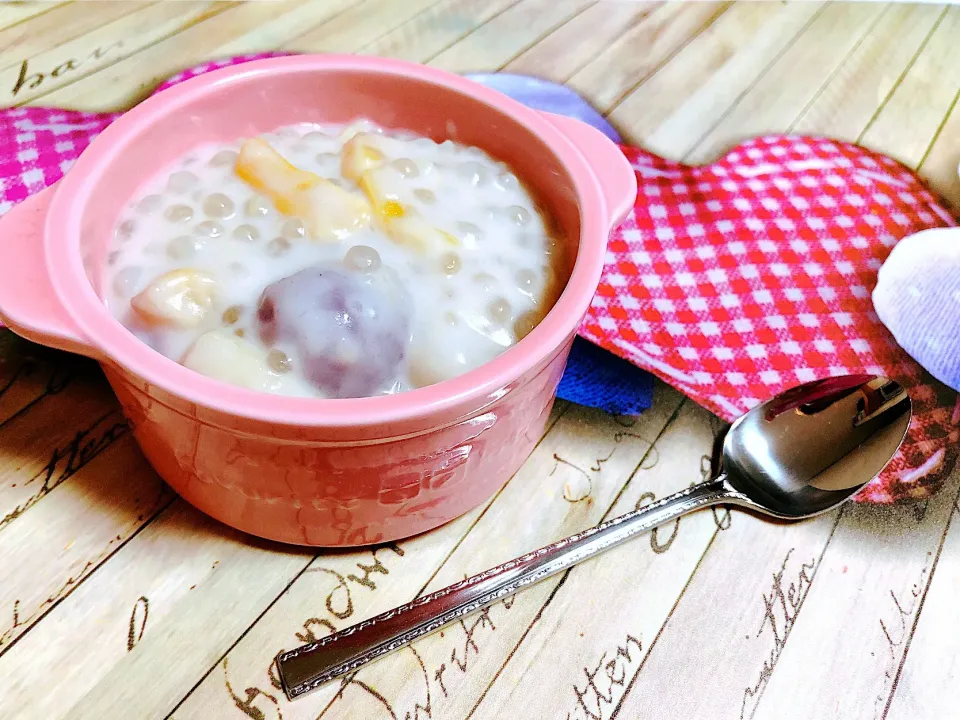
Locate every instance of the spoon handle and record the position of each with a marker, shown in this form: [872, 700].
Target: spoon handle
[307, 667]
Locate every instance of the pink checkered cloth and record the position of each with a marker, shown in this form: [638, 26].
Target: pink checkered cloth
[730, 282]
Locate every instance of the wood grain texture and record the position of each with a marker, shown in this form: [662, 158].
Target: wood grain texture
[17, 13]
[149, 610]
[909, 121]
[678, 105]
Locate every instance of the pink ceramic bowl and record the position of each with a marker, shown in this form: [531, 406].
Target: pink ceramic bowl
[316, 472]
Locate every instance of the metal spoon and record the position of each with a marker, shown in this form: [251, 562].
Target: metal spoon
[800, 454]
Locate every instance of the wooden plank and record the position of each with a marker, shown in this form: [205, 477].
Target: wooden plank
[497, 42]
[242, 33]
[927, 681]
[108, 615]
[595, 631]
[77, 526]
[199, 629]
[846, 104]
[55, 27]
[752, 565]
[908, 123]
[42, 74]
[692, 92]
[559, 55]
[792, 82]
[41, 450]
[246, 28]
[845, 647]
[15, 13]
[357, 26]
[29, 373]
[334, 591]
[532, 506]
[435, 29]
[943, 159]
[638, 53]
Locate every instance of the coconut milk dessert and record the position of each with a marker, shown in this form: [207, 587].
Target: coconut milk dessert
[333, 261]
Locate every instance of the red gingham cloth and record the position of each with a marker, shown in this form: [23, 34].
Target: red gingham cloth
[731, 281]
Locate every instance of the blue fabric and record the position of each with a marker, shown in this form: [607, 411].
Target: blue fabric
[594, 377]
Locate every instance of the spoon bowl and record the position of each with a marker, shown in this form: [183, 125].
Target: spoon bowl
[807, 450]
[800, 454]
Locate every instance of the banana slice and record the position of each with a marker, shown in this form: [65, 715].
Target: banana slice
[384, 187]
[416, 233]
[360, 154]
[221, 355]
[180, 297]
[329, 212]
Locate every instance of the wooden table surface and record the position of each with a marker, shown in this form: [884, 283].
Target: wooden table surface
[117, 600]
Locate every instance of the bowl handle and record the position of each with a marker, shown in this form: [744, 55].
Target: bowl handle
[28, 304]
[618, 182]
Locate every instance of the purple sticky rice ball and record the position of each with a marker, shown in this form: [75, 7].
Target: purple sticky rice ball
[346, 331]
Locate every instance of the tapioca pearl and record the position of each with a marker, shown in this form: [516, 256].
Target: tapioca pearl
[179, 213]
[150, 204]
[362, 258]
[155, 248]
[258, 206]
[525, 323]
[294, 229]
[231, 315]
[278, 361]
[424, 144]
[406, 167]
[209, 228]
[506, 181]
[527, 281]
[426, 166]
[184, 247]
[239, 270]
[485, 281]
[328, 159]
[126, 281]
[224, 158]
[450, 263]
[451, 318]
[113, 257]
[219, 206]
[288, 132]
[473, 172]
[468, 233]
[316, 137]
[125, 230]
[499, 311]
[550, 289]
[549, 247]
[518, 215]
[425, 196]
[278, 246]
[246, 233]
[182, 182]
